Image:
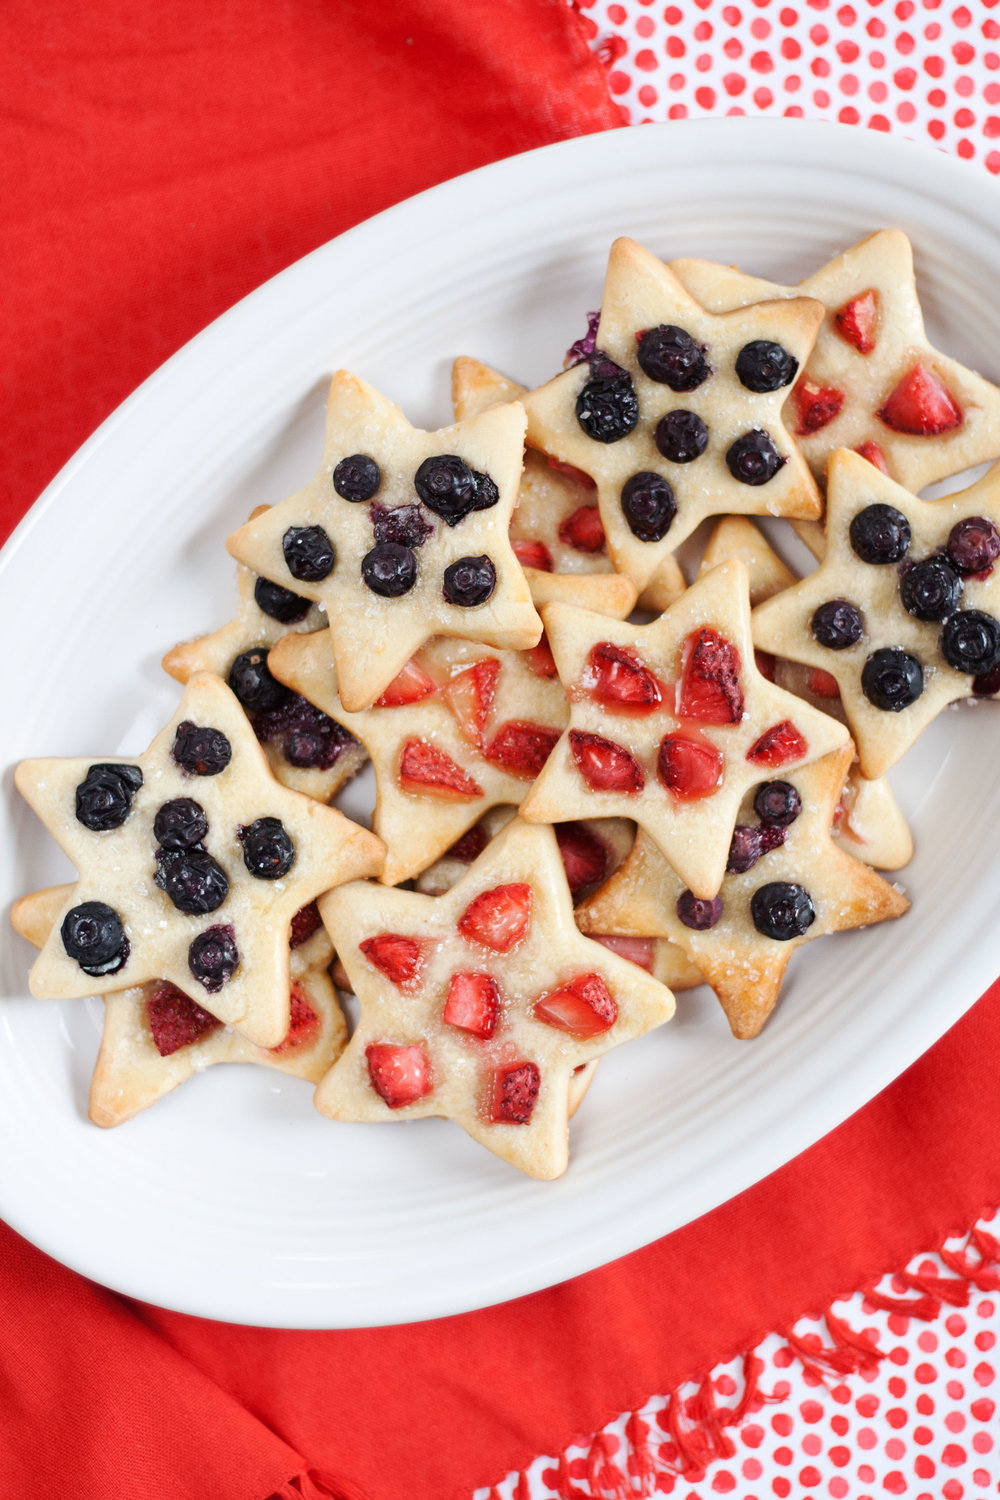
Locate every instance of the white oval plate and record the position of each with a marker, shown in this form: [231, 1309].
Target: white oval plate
[232, 1198]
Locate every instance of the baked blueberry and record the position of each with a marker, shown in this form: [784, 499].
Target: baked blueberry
[772, 836]
[970, 642]
[777, 803]
[279, 603]
[681, 436]
[180, 824]
[745, 849]
[974, 544]
[308, 553]
[93, 935]
[357, 477]
[201, 751]
[404, 525]
[880, 534]
[782, 910]
[696, 913]
[268, 851]
[670, 356]
[607, 408]
[753, 458]
[195, 882]
[838, 624]
[389, 569]
[104, 796]
[447, 486]
[250, 679]
[648, 505]
[213, 957]
[469, 581]
[892, 679]
[312, 740]
[765, 366]
[486, 493]
[931, 589]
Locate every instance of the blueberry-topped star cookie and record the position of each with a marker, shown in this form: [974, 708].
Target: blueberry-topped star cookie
[459, 730]
[306, 750]
[193, 862]
[786, 882]
[676, 412]
[402, 535]
[479, 1005]
[670, 723]
[872, 382]
[904, 610]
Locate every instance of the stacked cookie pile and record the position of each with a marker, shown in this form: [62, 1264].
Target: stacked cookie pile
[576, 813]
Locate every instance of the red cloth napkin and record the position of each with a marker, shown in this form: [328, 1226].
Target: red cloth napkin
[152, 174]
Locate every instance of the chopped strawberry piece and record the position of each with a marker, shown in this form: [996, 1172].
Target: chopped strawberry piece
[921, 405]
[408, 686]
[709, 689]
[515, 1091]
[470, 846]
[399, 958]
[874, 455]
[637, 950]
[533, 555]
[583, 530]
[498, 918]
[305, 922]
[427, 771]
[540, 659]
[572, 472]
[399, 1075]
[619, 678]
[815, 405]
[304, 1024]
[764, 663]
[473, 1003]
[176, 1020]
[778, 745]
[470, 696]
[521, 748]
[689, 768]
[605, 766]
[585, 1007]
[823, 684]
[857, 321]
[584, 856]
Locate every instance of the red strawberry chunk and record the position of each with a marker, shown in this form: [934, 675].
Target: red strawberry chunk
[399, 958]
[473, 1003]
[176, 1020]
[583, 530]
[521, 748]
[408, 686]
[689, 768]
[469, 846]
[874, 455]
[541, 661]
[921, 405]
[532, 555]
[304, 1023]
[572, 473]
[638, 950]
[470, 695]
[305, 922]
[515, 1092]
[823, 684]
[399, 1075]
[605, 766]
[585, 1007]
[620, 679]
[498, 918]
[709, 689]
[857, 321]
[585, 857]
[426, 771]
[778, 745]
[815, 406]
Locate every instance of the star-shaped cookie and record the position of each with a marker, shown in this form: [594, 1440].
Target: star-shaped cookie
[904, 610]
[156, 1036]
[789, 884]
[305, 749]
[670, 723]
[402, 535]
[479, 1005]
[872, 382]
[461, 730]
[192, 863]
[676, 414]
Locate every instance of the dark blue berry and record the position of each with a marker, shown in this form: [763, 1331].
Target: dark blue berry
[357, 478]
[469, 581]
[195, 882]
[974, 544]
[931, 589]
[607, 408]
[389, 569]
[648, 505]
[838, 624]
[764, 366]
[670, 356]
[486, 494]
[696, 913]
[308, 553]
[279, 603]
[880, 534]
[753, 458]
[782, 910]
[104, 796]
[268, 851]
[250, 679]
[772, 836]
[404, 525]
[970, 642]
[777, 803]
[308, 737]
[447, 486]
[180, 824]
[892, 679]
[744, 849]
[93, 935]
[681, 436]
[213, 957]
[201, 751]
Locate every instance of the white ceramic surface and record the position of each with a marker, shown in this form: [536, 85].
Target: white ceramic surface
[232, 1198]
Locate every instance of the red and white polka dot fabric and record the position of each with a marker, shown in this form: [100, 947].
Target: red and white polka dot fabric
[927, 69]
[893, 1392]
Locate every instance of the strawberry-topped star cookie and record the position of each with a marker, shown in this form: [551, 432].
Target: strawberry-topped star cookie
[873, 382]
[676, 412]
[460, 730]
[480, 1004]
[193, 862]
[156, 1036]
[786, 883]
[670, 723]
[904, 610]
[402, 535]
